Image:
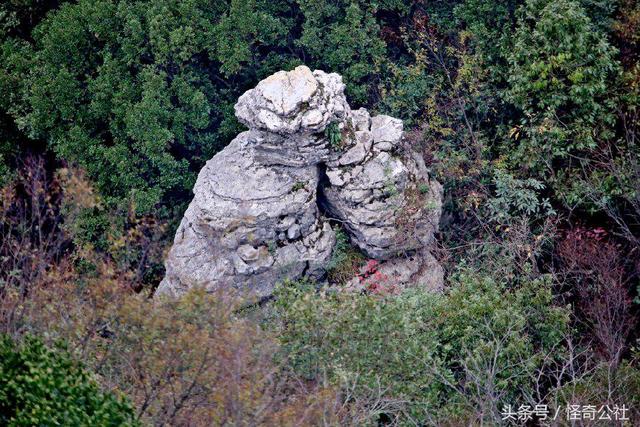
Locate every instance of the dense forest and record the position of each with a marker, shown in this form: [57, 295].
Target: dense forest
[526, 111]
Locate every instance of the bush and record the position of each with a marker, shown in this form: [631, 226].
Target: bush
[48, 218]
[422, 356]
[41, 386]
[187, 361]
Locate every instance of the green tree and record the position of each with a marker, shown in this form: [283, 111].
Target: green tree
[561, 68]
[18, 18]
[140, 93]
[489, 24]
[41, 386]
[131, 90]
[343, 37]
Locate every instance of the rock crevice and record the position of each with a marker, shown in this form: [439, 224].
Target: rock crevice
[261, 207]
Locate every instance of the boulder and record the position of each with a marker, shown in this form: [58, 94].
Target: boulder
[248, 225]
[298, 101]
[386, 201]
[262, 206]
[361, 119]
[386, 132]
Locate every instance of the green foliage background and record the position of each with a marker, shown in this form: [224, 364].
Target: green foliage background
[419, 344]
[42, 386]
[525, 110]
[140, 93]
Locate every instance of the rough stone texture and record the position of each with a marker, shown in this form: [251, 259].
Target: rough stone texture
[260, 206]
[416, 269]
[297, 101]
[386, 200]
[249, 225]
[361, 119]
[386, 132]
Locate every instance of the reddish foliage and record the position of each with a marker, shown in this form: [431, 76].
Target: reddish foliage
[627, 32]
[376, 282]
[390, 35]
[595, 266]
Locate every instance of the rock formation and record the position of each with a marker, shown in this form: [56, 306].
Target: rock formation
[262, 207]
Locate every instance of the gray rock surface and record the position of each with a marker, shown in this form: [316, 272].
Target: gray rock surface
[386, 132]
[298, 101]
[387, 201]
[249, 225]
[260, 206]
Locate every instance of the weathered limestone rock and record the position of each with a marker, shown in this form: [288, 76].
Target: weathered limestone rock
[386, 132]
[248, 225]
[298, 101]
[387, 201]
[259, 210]
[361, 119]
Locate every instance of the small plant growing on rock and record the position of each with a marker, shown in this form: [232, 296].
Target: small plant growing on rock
[272, 247]
[390, 187]
[345, 260]
[333, 135]
[298, 186]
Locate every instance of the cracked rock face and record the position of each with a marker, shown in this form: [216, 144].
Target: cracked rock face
[386, 200]
[260, 209]
[249, 225]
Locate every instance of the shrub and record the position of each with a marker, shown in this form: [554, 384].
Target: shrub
[51, 218]
[31, 238]
[187, 361]
[559, 68]
[42, 386]
[345, 259]
[421, 356]
[595, 266]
